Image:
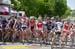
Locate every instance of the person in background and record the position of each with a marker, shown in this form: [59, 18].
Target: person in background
[4, 23]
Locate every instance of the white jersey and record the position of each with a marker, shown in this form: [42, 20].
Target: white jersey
[73, 26]
[44, 27]
[24, 24]
[44, 22]
[58, 26]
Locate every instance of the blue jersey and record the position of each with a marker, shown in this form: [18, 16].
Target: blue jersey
[18, 25]
[50, 26]
[4, 23]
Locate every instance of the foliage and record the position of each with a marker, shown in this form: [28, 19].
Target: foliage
[73, 13]
[41, 7]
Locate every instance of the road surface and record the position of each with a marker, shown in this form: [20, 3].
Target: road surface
[32, 46]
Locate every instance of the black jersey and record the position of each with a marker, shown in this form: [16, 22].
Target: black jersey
[11, 23]
[4, 23]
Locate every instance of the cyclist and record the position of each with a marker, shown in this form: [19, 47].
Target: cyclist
[66, 29]
[32, 23]
[59, 25]
[12, 27]
[24, 26]
[40, 26]
[4, 23]
[58, 29]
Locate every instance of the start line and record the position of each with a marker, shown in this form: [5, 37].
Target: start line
[15, 46]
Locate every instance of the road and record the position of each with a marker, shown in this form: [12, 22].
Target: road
[18, 45]
[32, 46]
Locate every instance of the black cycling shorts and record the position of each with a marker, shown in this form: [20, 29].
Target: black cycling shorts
[32, 28]
[48, 31]
[24, 28]
[58, 33]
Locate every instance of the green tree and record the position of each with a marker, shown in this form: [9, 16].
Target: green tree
[41, 7]
[67, 12]
[73, 13]
[60, 7]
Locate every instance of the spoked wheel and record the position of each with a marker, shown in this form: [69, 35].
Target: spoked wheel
[39, 37]
[14, 37]
[5, 35]
[23, 38]
[66, 37]
[46, 39]
[13, 34]
[72, 40]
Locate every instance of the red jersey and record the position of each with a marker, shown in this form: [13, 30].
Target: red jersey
[32, 23]
[66, 27]
[40, 25]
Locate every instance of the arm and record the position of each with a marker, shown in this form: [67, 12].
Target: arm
[8, 24]
[15, 24]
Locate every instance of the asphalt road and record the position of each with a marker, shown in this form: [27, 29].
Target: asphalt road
[18, 45]
[33, 46]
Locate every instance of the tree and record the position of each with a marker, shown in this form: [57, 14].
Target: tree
[67, 12]
[60, 7]
[73, 13]
[41, 7]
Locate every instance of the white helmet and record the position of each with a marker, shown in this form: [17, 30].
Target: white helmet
[32, 17]
[52, 18]
[39, 17]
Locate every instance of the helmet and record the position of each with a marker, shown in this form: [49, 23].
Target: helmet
[52, 18]
[39, 17]
[32, 17]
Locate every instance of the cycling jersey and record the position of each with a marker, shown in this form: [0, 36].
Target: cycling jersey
[24, 24]
[58, 26]
[18, 25]
[11, 23]
[50, 26]
[66, 27]
[32, 23]
[73, 26]
[45, 25]
[4, 23]
[44, 22]
[40, 26]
